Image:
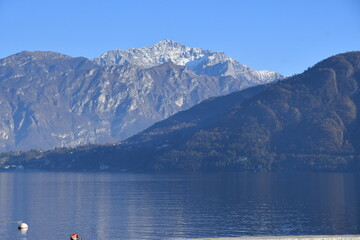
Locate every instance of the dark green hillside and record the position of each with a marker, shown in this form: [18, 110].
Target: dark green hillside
[306, 122]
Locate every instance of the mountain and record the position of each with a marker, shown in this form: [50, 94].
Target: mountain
[201, 62]
[305, 122]
[50, 100]
[309, 121]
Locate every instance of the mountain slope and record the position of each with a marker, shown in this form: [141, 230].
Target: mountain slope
[52, 100]
[306, 122]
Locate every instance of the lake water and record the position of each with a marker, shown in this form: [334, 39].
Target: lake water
[164, 206]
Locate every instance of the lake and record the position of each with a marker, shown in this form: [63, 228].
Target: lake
[163, 206]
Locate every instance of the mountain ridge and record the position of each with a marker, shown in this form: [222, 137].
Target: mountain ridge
[202, 62]
[61, 100]
[305, 122]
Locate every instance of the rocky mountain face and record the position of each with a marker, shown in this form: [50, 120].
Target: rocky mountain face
[52, 100]
[201, 62]
[306, 122]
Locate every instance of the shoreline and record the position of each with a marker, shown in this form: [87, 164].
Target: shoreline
[300, 237]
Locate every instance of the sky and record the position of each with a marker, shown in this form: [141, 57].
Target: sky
[286, 36]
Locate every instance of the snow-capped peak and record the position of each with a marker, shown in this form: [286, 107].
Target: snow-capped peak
[161, 52]
[200, 61]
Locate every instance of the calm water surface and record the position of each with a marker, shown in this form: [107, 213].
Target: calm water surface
[159, 206]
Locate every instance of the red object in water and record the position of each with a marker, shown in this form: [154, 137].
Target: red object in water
[74, 236]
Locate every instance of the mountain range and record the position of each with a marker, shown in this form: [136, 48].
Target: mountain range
[309, 121]
[50, 100]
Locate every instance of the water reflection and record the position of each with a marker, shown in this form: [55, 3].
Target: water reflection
[145, 206]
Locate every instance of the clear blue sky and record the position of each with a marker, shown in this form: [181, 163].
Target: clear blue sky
[285, 36]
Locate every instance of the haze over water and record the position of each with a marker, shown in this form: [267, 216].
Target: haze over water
[163, 206]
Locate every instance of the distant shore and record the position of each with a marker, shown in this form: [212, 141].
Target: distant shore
[302, 237]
